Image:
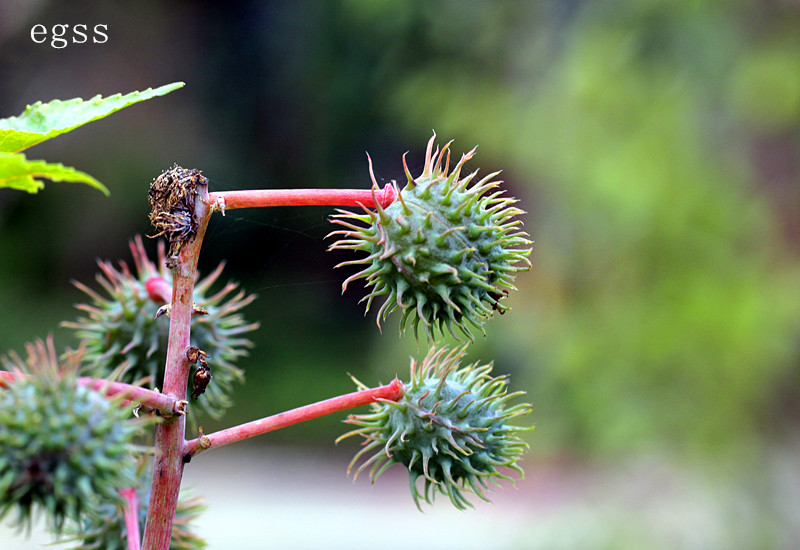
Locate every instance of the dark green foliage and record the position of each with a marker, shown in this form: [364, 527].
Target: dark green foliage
[660, 143]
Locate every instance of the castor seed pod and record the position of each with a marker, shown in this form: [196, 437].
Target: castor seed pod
[65, 447]
[120, 325]
[450, 427]
[445, 252]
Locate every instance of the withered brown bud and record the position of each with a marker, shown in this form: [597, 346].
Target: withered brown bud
[172, 200]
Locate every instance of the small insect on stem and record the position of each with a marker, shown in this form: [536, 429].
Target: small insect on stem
[202, 376]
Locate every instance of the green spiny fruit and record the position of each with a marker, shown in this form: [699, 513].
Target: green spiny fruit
[445, 252]
[64, 446]
[104, 527]
[120, 326]
[450, 428]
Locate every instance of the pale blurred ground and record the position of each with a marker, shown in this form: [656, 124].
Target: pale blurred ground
[296, 499]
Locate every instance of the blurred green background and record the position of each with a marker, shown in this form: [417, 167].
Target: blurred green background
[654, 145]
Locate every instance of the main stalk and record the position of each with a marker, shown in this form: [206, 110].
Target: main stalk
[180, 211]
[181, 208]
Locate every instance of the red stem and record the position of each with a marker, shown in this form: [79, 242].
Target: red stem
[131, 512]
[392, 392]
[304, 197]
[130, 394]
[170, 439]
[167, 404]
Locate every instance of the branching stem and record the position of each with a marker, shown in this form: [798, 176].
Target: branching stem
[185, 224]
[392, 392]
[228, 200]
[165, 404]
[170, 434]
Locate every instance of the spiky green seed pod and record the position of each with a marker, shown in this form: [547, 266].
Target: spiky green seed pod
[450, 428]
[445, 251]
[104, 527]
[120, 325]
[63, 447]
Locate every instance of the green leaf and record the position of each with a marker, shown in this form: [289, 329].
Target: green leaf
[42, 121]
[17, 172]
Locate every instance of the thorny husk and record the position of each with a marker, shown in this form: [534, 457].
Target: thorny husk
[445, 252]
[63, 446]
[451, 428]
[118, 325]
[172, 199]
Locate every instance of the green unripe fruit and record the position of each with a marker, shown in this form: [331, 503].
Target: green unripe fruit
[64, 447]
[449, 428]
[445, 251]
[119, 327]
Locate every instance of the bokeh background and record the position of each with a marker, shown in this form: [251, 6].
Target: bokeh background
[655, 146]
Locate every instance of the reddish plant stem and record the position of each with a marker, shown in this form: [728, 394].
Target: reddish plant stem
[392, 392]
[304, 197]
[165, 404]
[131, 513]
[170, 439]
